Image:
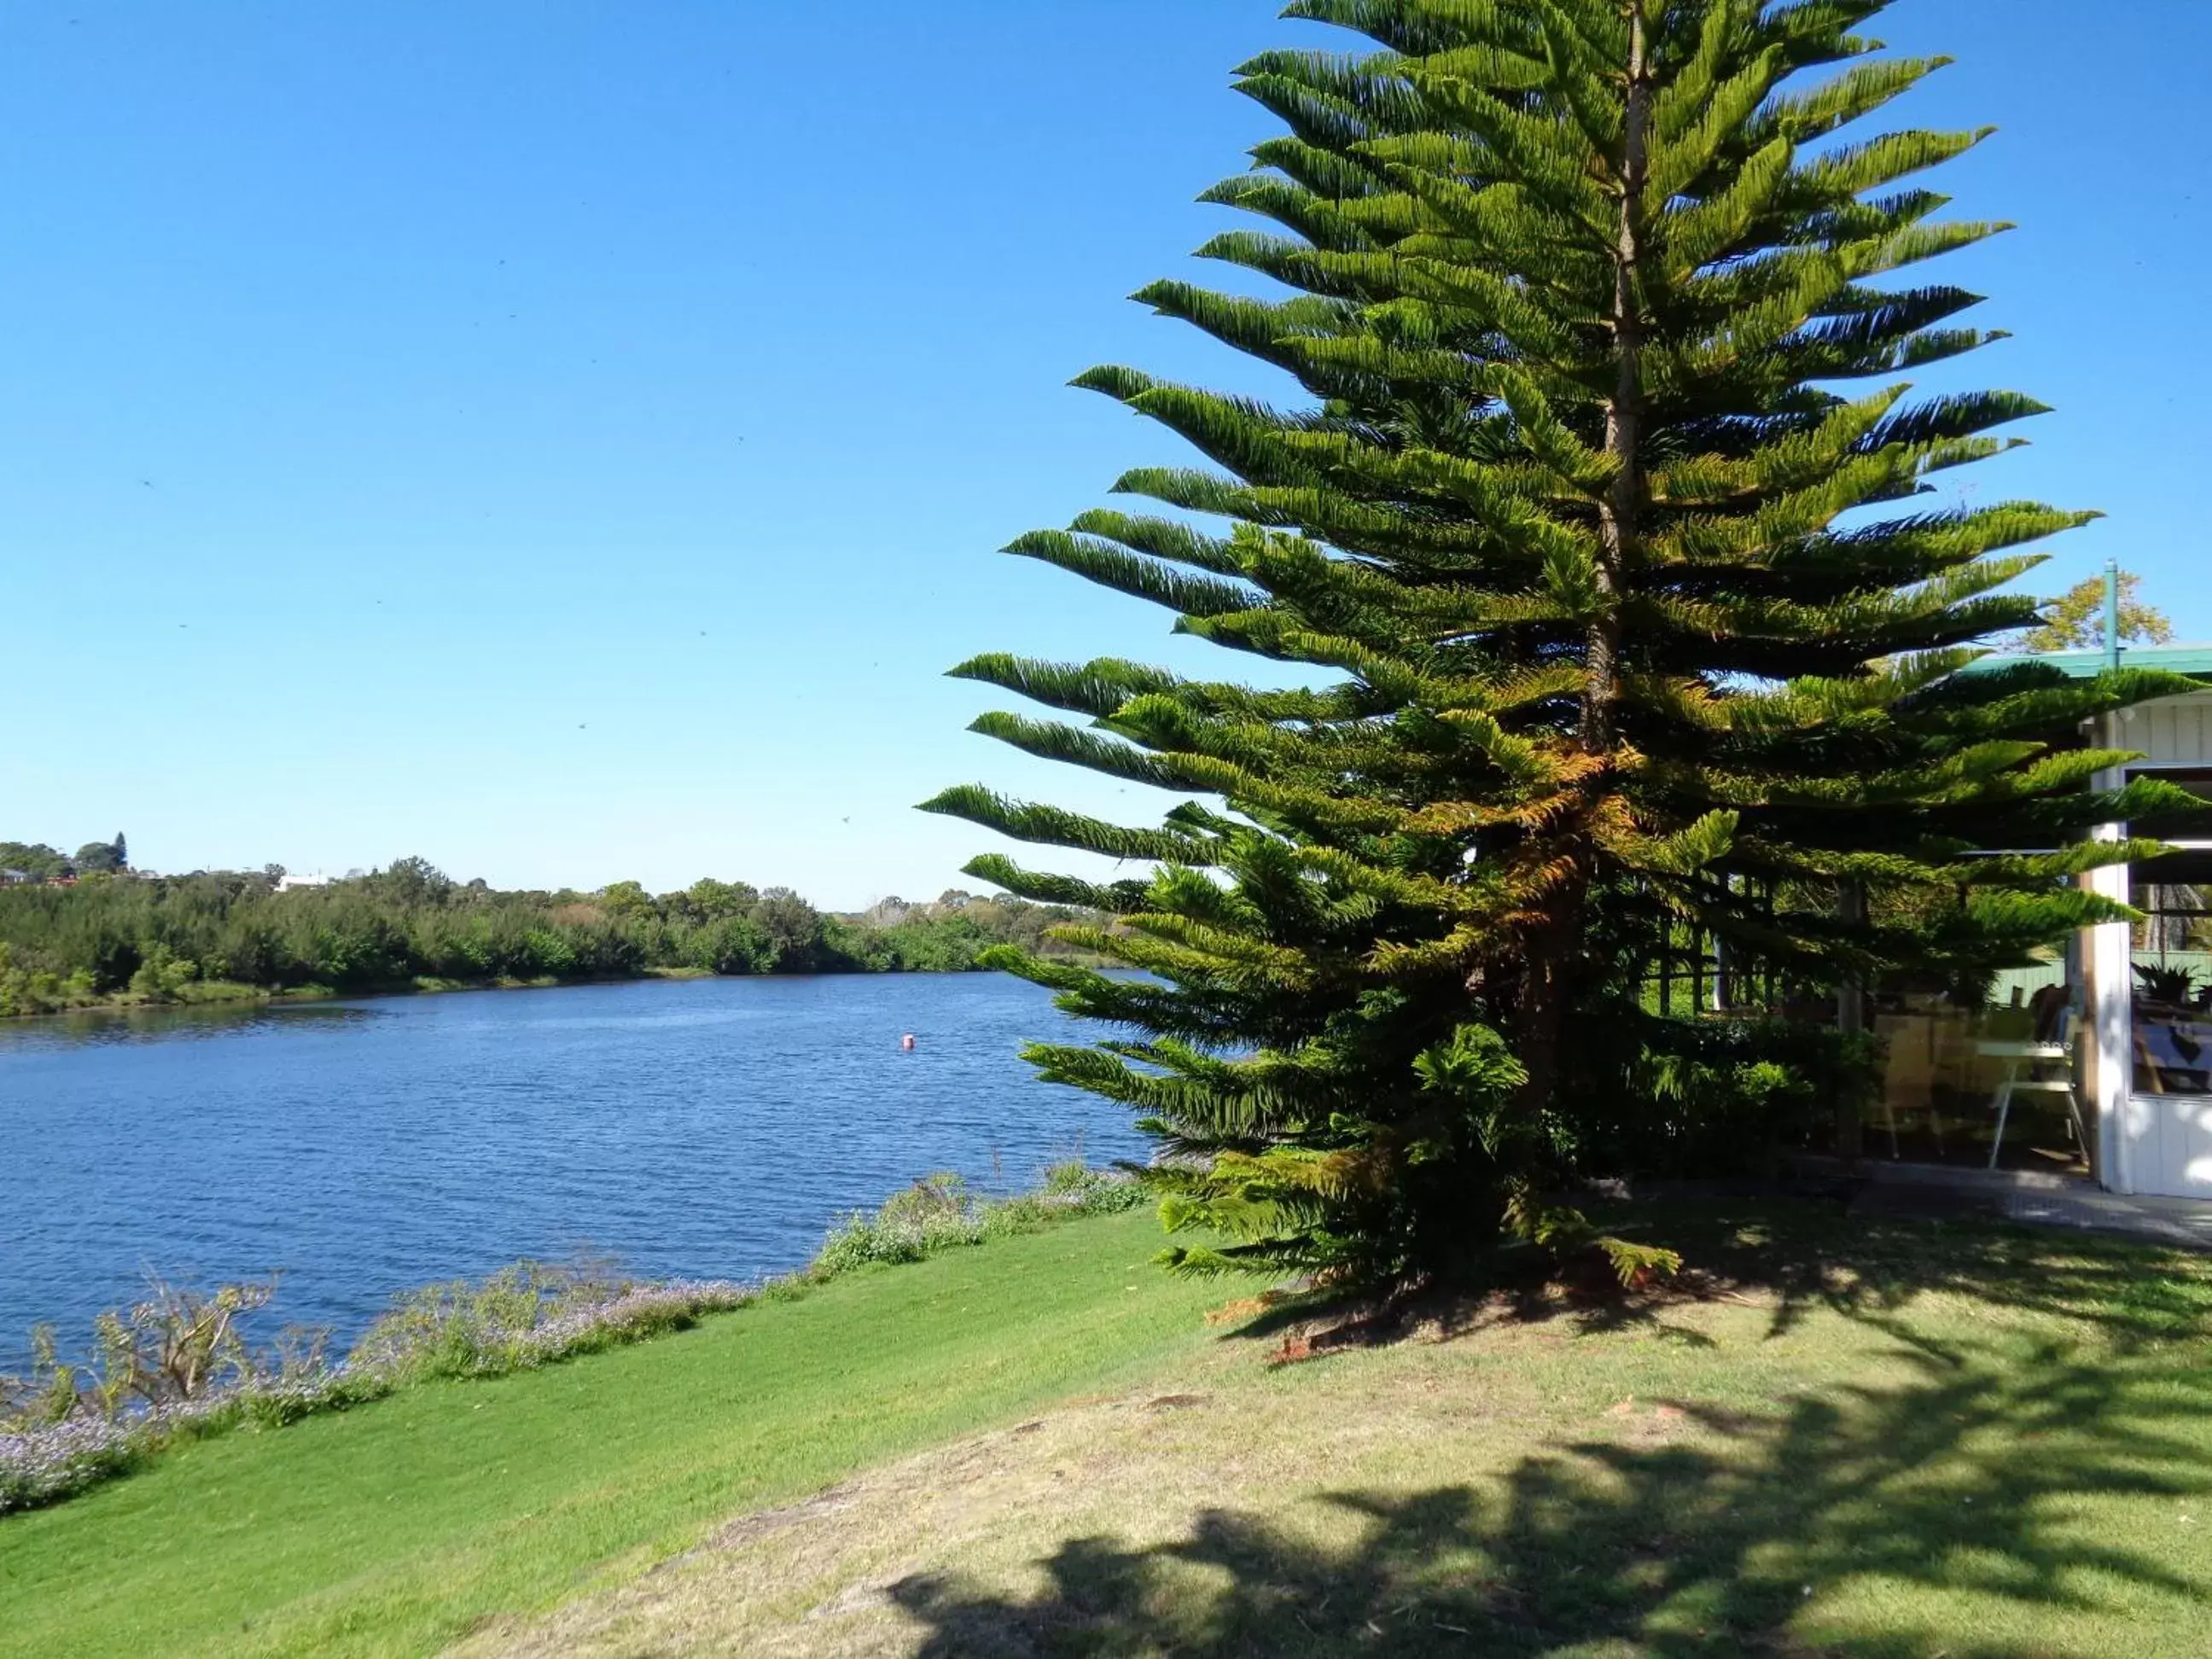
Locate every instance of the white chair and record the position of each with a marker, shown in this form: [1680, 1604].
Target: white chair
[2037, 1067]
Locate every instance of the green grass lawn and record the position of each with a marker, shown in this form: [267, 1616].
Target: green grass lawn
[394, 1527]
[1875, 1439]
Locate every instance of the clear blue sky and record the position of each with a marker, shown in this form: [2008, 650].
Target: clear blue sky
[568, 440]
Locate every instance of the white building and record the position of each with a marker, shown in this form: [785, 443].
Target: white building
[2101, 1065]
[2146, 1064]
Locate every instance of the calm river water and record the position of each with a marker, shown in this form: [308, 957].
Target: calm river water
[703, 1126]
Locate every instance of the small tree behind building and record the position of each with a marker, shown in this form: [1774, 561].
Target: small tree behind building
[96, 857]
[2075, 621]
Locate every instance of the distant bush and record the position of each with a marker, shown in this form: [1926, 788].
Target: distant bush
[33, 990]
[163, 975]
[1091, 1191]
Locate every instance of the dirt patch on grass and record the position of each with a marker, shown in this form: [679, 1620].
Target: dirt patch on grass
[818, 1577]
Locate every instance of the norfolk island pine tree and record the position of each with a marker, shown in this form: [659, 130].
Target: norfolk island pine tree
[1605, 524]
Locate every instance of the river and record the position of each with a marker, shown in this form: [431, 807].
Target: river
[710, 1126]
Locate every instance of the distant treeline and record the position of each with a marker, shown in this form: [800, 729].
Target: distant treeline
[222, 933]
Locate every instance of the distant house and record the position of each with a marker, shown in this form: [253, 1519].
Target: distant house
[287, 881]
[15, 877]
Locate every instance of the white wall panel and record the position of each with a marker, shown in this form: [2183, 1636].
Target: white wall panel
[2173, 729]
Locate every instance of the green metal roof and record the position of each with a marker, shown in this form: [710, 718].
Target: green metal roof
[2088, 665]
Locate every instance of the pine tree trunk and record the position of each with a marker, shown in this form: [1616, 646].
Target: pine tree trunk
[1544, 991]
[1545, 995]
[1850, 1019]
[1619, 513]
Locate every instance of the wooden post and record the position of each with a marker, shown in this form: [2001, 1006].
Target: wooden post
[1850, 1017]
[1724, 977]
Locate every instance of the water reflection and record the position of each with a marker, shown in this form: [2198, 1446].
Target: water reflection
[96, 1025]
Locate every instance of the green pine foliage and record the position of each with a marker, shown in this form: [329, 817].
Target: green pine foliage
[1604, 537]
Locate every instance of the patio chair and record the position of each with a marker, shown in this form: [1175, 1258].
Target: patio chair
[2035, 1067]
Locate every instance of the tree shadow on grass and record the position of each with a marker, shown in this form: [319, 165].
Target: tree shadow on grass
[1928, 1516]
[1797, 1255]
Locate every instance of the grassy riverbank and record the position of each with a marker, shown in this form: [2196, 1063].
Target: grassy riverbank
[223, 993]
[1866, 1439]
[395, 1528]
[230, 992]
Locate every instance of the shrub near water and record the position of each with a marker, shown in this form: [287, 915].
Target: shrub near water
[939, 1211]
[174, 1365]
[523, 1315]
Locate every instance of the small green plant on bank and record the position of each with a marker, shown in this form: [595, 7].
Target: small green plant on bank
[935, 1213]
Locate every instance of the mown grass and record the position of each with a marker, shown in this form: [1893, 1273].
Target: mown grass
[395, 1528]
[1872, 1439]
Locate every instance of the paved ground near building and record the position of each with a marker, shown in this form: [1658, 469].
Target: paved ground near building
[1933, 1192]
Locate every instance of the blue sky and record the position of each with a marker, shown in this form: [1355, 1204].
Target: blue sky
[570, 440]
